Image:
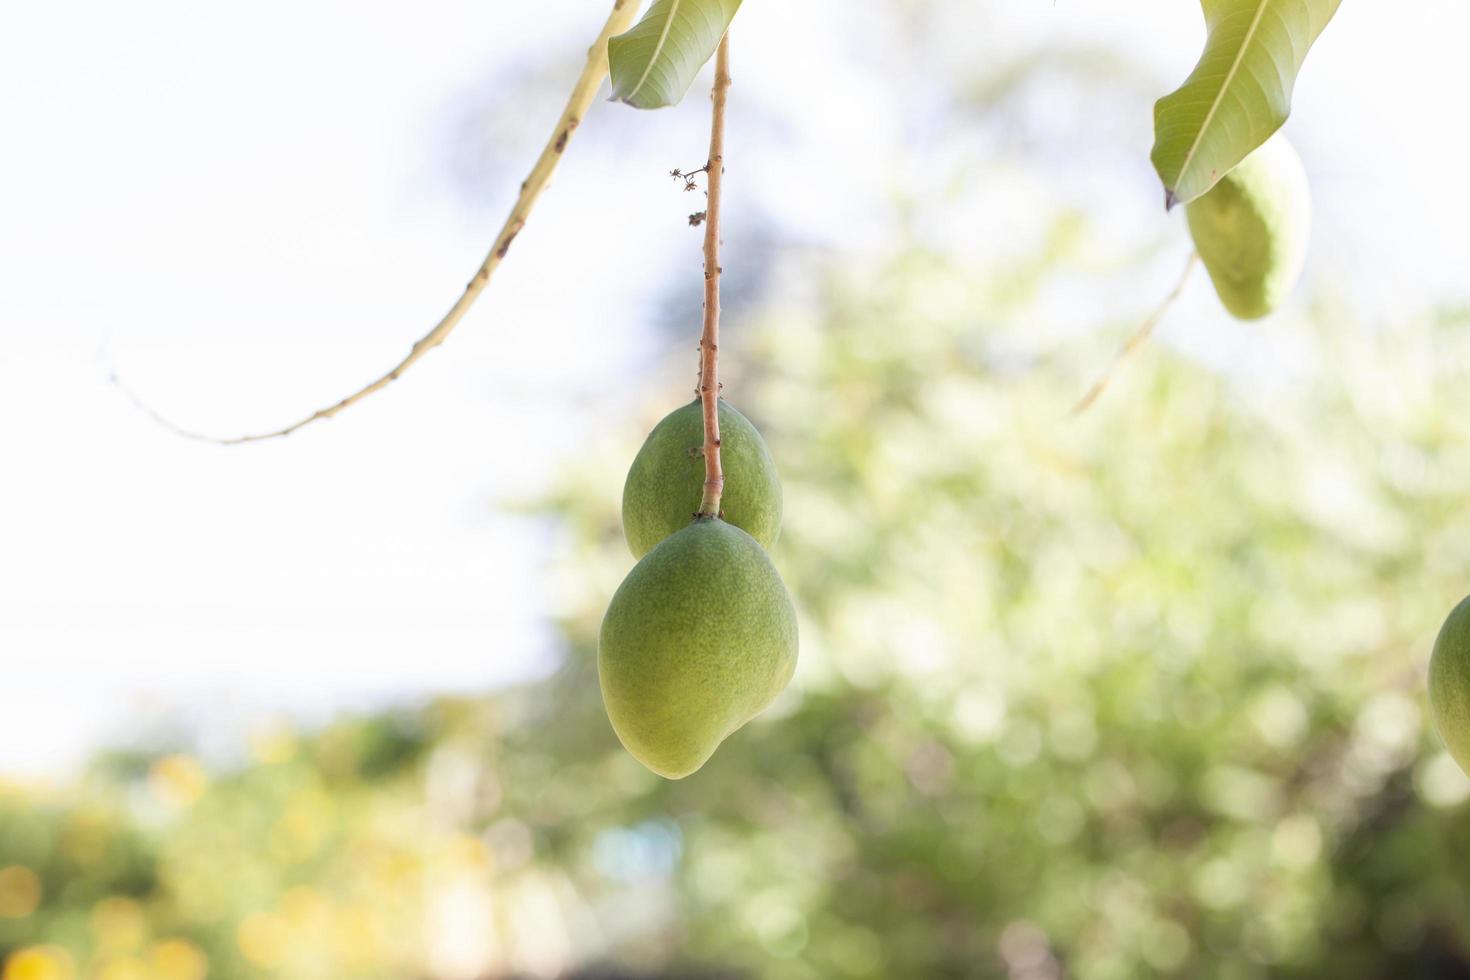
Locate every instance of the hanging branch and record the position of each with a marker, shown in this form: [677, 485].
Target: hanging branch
[577, 105]
[709, 341]
[1133, 343]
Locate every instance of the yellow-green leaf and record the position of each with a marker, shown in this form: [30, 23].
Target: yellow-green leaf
[655, 62]
[1238, 94]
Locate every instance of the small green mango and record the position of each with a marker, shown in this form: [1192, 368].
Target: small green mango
[1251, 229]
[666, 481]
[699, 638]
[1449, 684]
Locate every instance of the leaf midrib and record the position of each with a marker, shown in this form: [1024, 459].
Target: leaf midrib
[1199, 137]
[657, 50]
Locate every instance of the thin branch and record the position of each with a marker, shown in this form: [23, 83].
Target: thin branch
[577, 105]
[709, 340]
[1133, 343]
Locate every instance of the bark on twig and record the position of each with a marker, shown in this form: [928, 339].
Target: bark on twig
[1137, 340]
[577, 105]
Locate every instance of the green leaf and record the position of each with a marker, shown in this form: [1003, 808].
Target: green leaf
[1238, 94]
[655, 62]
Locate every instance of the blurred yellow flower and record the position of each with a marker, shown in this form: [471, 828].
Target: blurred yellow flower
[273, 746]
[126, 968]
[468, 851]
[39, 963]
[263, 938]
[20, 892]
[355, 936]
[119, 925]
[178, 780]
[304, 909]
[302, 828]
[177, 959]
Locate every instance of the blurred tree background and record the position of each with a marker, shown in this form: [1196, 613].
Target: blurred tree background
[1137, 694]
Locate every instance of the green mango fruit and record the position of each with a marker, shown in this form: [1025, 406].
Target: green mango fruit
[698, 639]
[666, 481]
[1251, 229]
[1449, 684]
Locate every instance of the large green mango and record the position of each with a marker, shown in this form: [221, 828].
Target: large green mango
[698, 640]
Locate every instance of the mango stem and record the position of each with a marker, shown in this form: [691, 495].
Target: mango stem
[709, 341]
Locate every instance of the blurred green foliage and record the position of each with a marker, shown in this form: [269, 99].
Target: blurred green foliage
[1132, 695]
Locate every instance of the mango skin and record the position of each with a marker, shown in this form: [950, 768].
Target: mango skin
[666, 481]
[1449, 684]
[698, 640]
[1251, 229]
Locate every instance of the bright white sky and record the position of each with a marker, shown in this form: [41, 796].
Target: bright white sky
[246, 209]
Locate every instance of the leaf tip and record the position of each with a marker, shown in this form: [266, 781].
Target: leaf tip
[1170, 199]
